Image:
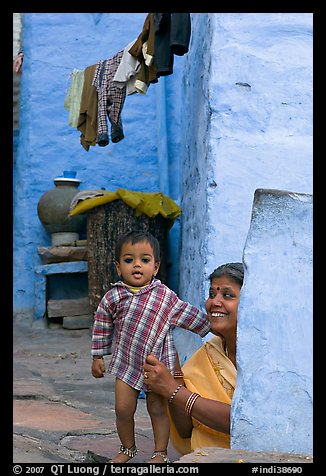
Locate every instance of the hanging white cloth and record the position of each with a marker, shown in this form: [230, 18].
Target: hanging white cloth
[127, 70]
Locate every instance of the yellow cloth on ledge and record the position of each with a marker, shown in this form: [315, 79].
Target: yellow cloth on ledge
[212, 374]
[150, 204]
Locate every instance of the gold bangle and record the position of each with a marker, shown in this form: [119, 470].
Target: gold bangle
[175, 392]
[178, 374]
[190, 402]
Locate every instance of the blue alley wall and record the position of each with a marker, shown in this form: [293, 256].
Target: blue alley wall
[54, 44]
[249, 126]
[238, 115]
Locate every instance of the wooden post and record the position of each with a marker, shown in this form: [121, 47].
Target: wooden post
[105, 224]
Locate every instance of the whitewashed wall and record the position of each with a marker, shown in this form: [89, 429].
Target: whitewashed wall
[249, 126]
[245, 110]
[272, 406]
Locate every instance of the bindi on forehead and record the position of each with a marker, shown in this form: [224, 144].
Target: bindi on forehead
[221, 288]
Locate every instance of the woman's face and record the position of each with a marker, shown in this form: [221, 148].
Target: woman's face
[222, 305]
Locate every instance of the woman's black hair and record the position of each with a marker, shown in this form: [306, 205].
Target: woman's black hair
[233, 271]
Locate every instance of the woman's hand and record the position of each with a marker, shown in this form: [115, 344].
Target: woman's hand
[158, 377]
[212, 413]
[160, 380]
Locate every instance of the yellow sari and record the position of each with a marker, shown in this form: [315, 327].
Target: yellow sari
[212, 374]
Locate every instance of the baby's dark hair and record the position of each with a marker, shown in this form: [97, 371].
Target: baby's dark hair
[233, 271]
[135, 236]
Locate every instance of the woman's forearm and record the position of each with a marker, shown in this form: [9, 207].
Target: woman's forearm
[211, 413]
[182, 421]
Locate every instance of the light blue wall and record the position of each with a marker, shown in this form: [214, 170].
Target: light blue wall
[238, 138]
[238, 117]
[54, 44]
[224, 139]
[249, 126]
[272, 406]
[193, 165]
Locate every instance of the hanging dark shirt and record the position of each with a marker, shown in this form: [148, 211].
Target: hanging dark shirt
[172, 37]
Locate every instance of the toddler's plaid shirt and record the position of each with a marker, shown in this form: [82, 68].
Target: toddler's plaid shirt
[141, 323]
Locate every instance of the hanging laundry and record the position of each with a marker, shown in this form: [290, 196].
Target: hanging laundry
[180, 33]
[73, 97]
[163, 36]
[172, 37]
[145, 44]
[126, 72]
[110, 100]
[87, 121]
[107, 83]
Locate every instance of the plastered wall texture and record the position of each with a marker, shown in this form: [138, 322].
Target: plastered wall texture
[272, 407]
[249, 126]
[238, 118]
[54, 44]
[224, 139]
[195, 227]
[17, 29]
[248, 82]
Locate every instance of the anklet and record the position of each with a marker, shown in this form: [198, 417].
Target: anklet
[163, 455]
[128, 451]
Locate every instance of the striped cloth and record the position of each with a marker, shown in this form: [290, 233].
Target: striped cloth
[130, 326]
[110, 100]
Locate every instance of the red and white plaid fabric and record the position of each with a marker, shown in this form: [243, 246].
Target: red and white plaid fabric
[110, 100]
[130, 326]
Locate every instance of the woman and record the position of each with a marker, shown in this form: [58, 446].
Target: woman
[199, 396]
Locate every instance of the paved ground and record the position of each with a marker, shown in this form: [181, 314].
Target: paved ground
[61, 414]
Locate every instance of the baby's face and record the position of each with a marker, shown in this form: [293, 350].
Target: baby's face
[137, 264]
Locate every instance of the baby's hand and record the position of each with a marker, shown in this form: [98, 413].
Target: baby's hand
[98, 368]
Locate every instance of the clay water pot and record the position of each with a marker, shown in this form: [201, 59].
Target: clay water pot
[53, 211]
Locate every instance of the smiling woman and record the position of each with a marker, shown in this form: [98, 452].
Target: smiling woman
[199, 395]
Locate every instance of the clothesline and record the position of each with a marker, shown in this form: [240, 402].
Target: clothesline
[97, 93]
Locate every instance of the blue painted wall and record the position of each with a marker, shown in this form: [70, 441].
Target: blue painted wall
[248, 96]
[238, 116]
[249, 126]
[54, 44]
[272, 406]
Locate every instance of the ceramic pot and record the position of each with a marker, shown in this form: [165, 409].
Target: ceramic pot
[53, 211]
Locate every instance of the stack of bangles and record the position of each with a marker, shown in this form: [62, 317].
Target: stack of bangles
[190, 402]
[178, 374]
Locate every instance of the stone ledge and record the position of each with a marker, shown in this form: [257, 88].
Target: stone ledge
[59, 254]
[59, 268]
[224, 455]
